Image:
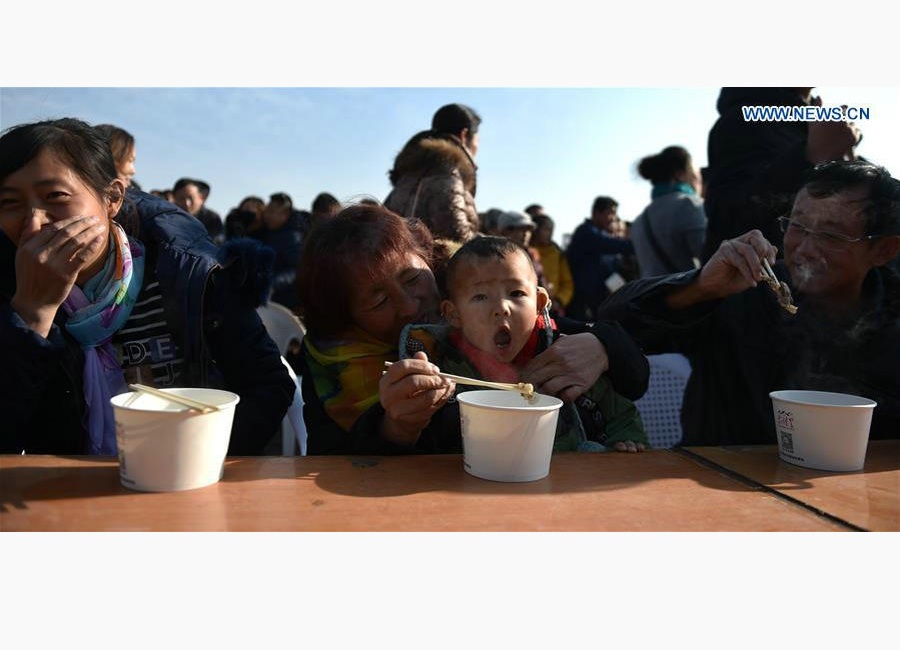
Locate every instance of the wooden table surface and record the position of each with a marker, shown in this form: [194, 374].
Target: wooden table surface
[868, 499]
[653, 491]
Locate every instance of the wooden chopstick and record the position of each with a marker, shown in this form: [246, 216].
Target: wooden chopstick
[521, 387]
[780, 288]
[197, 405]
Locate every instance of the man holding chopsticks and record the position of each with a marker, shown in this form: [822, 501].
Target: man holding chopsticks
[742, 340]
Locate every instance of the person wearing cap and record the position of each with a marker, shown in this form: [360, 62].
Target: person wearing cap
[518, 228]
[190, 196]
[433, 176]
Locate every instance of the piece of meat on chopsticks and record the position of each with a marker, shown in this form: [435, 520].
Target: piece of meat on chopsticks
[781, 289]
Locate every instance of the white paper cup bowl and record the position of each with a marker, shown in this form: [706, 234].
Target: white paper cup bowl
[822, 430]
[506, 438]
[164, 447]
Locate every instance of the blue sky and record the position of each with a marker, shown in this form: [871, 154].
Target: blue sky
[559, 147]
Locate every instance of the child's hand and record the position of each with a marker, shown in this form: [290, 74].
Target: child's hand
[629, 446]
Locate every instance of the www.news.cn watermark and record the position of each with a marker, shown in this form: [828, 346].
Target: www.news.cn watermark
[805, 113]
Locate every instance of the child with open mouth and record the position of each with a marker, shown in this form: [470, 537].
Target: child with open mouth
[497, 320]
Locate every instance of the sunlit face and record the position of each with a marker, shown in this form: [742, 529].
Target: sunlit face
[821, 266]
[189, 198]
[406, 293]
[52, 189]
[495, 303]
[126, 169]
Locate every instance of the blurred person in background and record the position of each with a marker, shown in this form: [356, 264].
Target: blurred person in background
[668, 235]
[121, 142]
[534, 210]
[190, 195]
[488, 221]
[168, 195]
[594, 258]
[433, 176]
[245, 219]
[557, 275]
[324, 207]
[518, 227]
[283, 230]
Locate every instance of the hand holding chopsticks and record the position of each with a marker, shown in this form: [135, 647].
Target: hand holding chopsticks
[527, 390]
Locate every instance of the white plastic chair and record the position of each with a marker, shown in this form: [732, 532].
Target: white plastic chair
[660, 406]
[285, 328]
[281, 323]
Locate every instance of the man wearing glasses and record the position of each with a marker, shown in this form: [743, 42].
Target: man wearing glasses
[841, 242]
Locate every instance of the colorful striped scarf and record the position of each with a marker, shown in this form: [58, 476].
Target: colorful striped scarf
[96, 312]
[346, 373]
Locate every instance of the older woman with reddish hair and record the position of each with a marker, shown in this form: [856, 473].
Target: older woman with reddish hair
[363, 276]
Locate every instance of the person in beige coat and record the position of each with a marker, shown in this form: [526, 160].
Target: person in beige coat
[433, 176]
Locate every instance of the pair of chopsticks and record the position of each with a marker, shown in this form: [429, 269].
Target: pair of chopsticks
[196, 405]
[780, 288]
[767, 269]
[527, 390]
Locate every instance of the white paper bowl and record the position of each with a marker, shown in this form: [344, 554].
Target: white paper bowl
[165, 447]
[822, 430]
[506, 438]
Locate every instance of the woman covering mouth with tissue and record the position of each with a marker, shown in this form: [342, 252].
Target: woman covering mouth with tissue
[841, 241]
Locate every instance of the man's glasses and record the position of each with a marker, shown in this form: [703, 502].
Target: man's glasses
[830, 240]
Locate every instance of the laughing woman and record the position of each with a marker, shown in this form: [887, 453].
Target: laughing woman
[99, 289]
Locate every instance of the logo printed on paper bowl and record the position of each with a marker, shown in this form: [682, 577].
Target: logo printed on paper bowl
[785, 419]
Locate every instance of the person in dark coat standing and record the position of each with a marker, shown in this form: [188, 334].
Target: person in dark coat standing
[594, 257]
[284, 230]
[756, 167]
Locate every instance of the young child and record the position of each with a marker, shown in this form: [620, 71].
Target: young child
[497, 320]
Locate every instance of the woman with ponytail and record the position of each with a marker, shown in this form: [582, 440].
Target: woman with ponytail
[668, 235]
